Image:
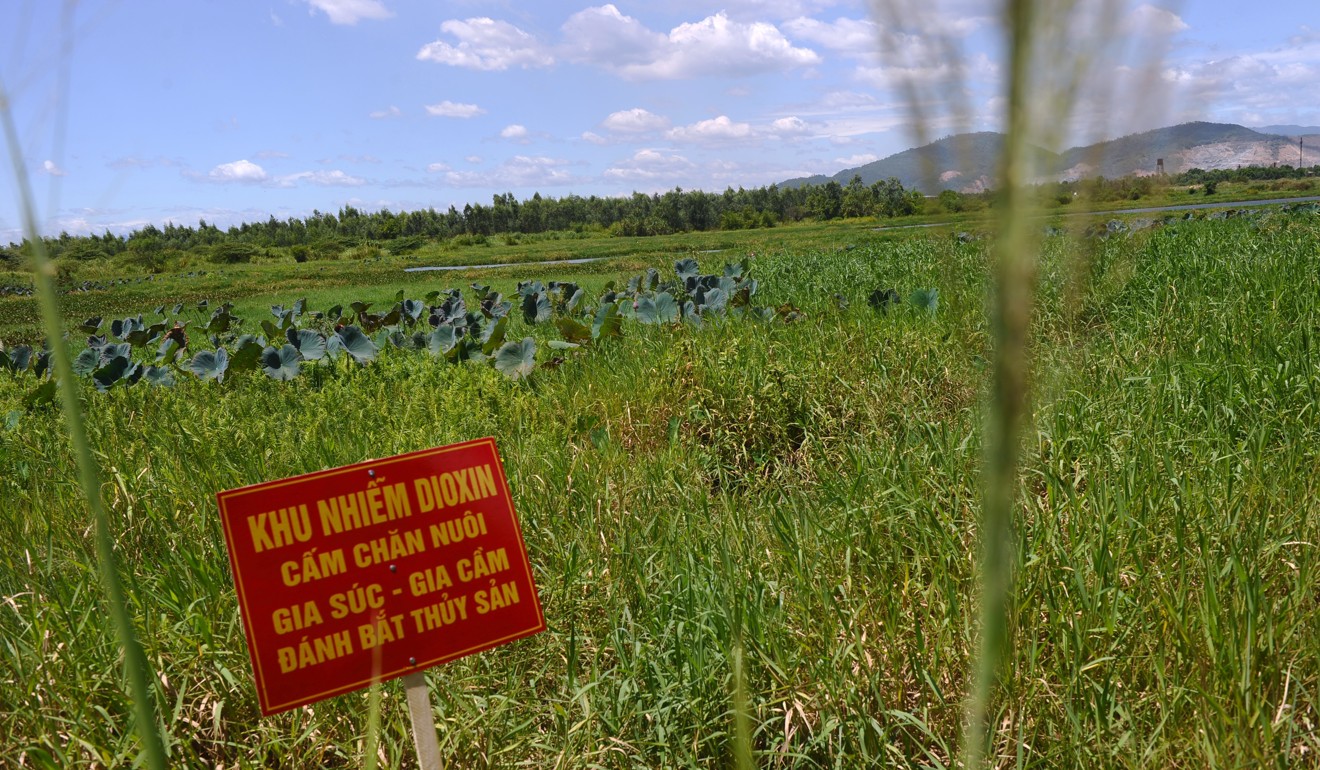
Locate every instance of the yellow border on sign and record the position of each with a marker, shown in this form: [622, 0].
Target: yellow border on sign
[268, 708]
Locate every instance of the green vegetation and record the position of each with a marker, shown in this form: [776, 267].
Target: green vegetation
[778, 512]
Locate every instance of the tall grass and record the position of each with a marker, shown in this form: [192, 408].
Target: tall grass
[732, 538]
[136, 669]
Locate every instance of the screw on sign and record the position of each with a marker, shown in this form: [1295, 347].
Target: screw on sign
[378, 570]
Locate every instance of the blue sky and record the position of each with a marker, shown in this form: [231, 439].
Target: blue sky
[150, 111]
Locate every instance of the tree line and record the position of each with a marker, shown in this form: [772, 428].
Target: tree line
[323, 235]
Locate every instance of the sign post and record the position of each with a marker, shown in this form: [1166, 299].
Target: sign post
[423, 721]
[376, 571]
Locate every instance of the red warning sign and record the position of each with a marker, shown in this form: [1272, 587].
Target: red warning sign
[376, 570]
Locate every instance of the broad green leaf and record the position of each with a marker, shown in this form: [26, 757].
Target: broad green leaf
[645, 310]
[42, 395]
[493, 337]
[881, 299]
[516, 359]
[159, 376]
[716, 300]
[210, 364]
[572, 330]
[356, 344]
[141, 337]
[574, 302]
[106, 376]
[310, 343]
[20, 358]
[666, 309]
[247, 354]
[169, 348]
[281, 364]
[91, 324]
[42, 364]
[442, 340]
[86, 362]
[412, 309]
[608, 322]
[536, 308]
[685, 268]
[562, 345]
[925, 299]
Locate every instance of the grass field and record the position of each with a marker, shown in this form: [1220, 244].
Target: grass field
[787, 510]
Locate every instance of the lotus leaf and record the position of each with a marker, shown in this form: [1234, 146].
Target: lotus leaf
[925, 299]
[715, 300]
[881, 299]
[309, 343]
[87, 362]
[281, 364]
[210, 364]
[356, 344]
[608, 322]
[20, 358]
[573, 331]
[575, 301]
[536, 308]
[516, 359]
[493, 336]
[247, 354]
[644, 310]
[160, 376]
[119, 367]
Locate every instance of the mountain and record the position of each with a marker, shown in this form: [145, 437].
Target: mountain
[967, 162]
[962, 162]
[1289, 130]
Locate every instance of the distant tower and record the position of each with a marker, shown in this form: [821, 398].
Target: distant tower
[1159, 166]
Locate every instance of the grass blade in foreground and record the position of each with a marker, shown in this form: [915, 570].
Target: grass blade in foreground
[1010, 323]
[135, 662]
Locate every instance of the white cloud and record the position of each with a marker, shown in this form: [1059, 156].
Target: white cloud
[1146, 19]
[594, 138]
[514, 132]
[438, 167]
[448, 109]
[852, 161]
[332, 178]
[852, 37]
[350, 11]
[49, 167]
[390, 112]
[715, 46]
[789, 127]
[635, 121]
[244, 171]
[488, 45]
[650, 166]
[719, 130]
[605, 36]
[520, 171]
[475, 160]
